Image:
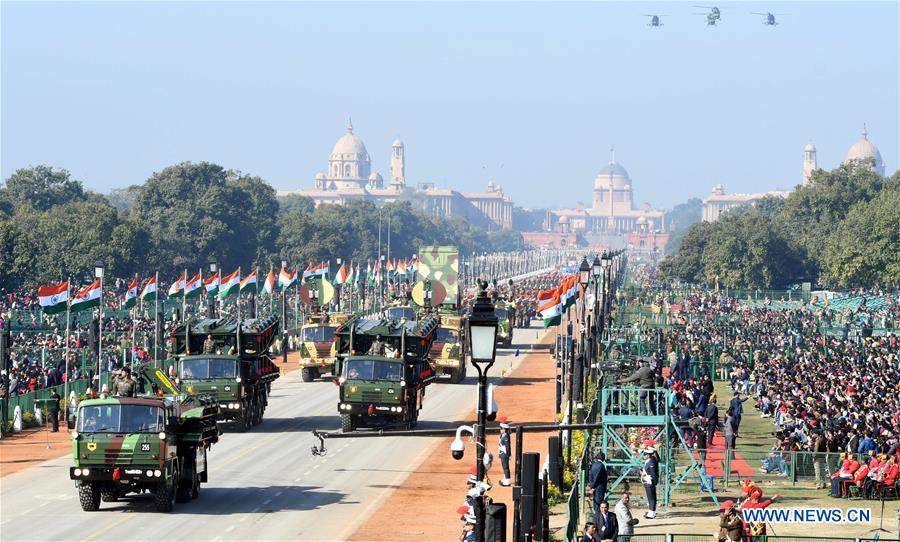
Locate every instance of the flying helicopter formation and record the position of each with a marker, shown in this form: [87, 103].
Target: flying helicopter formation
[713, 16]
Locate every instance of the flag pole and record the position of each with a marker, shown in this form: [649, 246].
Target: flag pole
[156, 323]
[184, 297]
[68, 324]
[256, 295]
[100, 339]
[134, 322]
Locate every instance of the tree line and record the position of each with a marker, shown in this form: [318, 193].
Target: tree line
[191, 214]
[842, 230]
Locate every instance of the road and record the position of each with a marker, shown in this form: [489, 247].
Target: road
[263, 485]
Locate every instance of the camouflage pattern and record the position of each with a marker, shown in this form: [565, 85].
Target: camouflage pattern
[440, 265]
[449, 356]
[504, 324]
[318, 356]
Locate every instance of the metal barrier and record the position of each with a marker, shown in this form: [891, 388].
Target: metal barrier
[27, 400]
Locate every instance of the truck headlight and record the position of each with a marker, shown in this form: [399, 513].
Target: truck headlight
[162, 435]
[74, 435]
[157, 473]
[238, 379]
[85, 472]
[149, 473]
[402, 383]
[77, 472]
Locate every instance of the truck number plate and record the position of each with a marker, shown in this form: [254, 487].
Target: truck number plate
[145, 447]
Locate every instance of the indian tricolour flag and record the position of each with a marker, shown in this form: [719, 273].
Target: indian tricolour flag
[177, 287]
[286, 279]
[87, 298]
[54, 298]
[249, 280]
[194, 286]
[211, 284]
[230, 284]
[149, 288]
[131, 294]
[551, 311]
[341, 276]
[269, 284]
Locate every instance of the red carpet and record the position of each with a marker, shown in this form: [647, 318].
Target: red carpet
[715, 461]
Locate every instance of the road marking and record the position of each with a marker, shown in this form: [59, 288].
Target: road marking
[255, 510]
[97, 534]
[26, 512]
[278, 494]
[304, 474]
[267, 501]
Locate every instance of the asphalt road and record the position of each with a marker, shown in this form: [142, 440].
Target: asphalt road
[263, 485]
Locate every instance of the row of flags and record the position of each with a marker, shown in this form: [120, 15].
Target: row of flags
[55, 298]
[554, 302]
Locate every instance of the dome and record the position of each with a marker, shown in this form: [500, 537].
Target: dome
[809, 147]
[865, 149]
[351, 145]
[397, 143]
[614, 170]
[642, 221]
[375, 177]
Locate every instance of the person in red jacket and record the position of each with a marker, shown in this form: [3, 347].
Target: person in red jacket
[891, 473]
[756, 531]
[848, 468]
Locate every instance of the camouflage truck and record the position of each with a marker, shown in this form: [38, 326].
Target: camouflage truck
[383, 387]
[448, 351]
[239, 372]
[506, 315]
[317, 345]
[154, 444]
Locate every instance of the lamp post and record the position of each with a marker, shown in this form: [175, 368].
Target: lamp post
[98, 274]
[483, 347]
[596, 271]
[284, 333]
[584, 275]
[604, 263]
[339, 287]
[211, 299]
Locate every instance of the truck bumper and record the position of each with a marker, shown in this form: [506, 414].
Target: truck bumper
[132, 473]
[371, 409]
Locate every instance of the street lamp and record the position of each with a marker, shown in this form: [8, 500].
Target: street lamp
[483, 347]
[584, 272]
[211, 299]
[596, 267]
[98, 274]
[284, 332]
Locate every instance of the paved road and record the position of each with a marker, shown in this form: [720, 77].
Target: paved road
[264, 485]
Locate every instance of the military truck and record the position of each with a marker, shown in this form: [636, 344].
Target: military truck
[401, 312]
[382, 383]
[448, 351]
[317, 344]
[154, 444]
[506, 314]
[239, 371]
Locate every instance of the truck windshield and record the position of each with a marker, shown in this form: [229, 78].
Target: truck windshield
[319, 334]
[400, 313]
[372, 369]
[501, 314]
[445, 335]
[208, 368]
[120, 419]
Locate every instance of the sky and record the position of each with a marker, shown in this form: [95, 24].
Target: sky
[530, 95]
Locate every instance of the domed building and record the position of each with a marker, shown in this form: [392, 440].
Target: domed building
[350, 177]
[866, 150]
[612, 214]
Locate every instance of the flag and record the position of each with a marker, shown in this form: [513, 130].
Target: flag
[551, 311]
[211, 284]
[131, 294]
[350, 277]
[341, 276]
[230, 283]
[194, 286]
[544, 295]
[54, 299]
[177, 287]
[269, 284]
[249, 280]
[370, 278]
[401, 267]
[286, 279]
[357, 277]
[149, 288]
[389, 267]
[87, 298]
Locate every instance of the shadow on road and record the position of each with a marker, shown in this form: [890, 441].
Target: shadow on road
[221, 501]
[299, 424]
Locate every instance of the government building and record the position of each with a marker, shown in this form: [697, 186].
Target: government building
[718, 201]
[613, 219]
[349, 177]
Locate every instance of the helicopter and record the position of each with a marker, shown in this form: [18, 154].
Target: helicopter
[654, 20]
[770, 18]
[713, 16]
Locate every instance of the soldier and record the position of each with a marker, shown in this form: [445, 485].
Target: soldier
[209, 347]
[503, 450]
[377, 348]
[53, 411]
[125, 386]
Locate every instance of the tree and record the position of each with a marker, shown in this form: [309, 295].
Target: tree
[771, 206]
[294, 203]
[864, 248]
[528, 219]
[686, 265]
[42, 187]
[679, 220]
[505, 241]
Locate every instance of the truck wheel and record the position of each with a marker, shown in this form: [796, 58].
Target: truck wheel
[109, 494]
[316, 373]
[89, 495]
[347, 425]
[164, 496]
[306, 374]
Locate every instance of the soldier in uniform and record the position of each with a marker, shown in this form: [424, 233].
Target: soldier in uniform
[377, 348]
[125, 386]
[209, 347]
[503, 450]
[53, 411]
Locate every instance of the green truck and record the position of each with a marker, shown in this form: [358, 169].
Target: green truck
[506, 314]
[154, 444]
[438, 291]
[237, 371]
[382, 383]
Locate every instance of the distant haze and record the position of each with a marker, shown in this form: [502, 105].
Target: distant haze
[530, 95]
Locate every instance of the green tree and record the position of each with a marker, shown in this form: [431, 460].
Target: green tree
[864, 248]
[294, 203]
[42, 187]
[505, 241]
[528, 219]
[679, 220]
[687, 265]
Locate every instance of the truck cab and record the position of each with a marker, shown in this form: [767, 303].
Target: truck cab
[317, 345]
[506, 314]
[448, 351]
